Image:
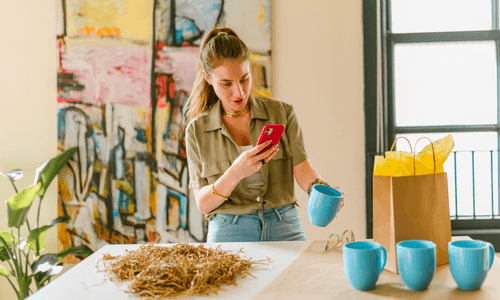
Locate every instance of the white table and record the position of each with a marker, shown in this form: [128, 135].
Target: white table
[84, 281]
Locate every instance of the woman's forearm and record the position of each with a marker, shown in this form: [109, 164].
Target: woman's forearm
[305, 174]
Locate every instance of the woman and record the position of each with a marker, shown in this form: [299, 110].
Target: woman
[246, 196]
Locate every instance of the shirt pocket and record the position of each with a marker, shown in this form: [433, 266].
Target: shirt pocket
[213, 171]
[280, 167]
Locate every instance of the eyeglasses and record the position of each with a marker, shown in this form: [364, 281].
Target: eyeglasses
[334, 240]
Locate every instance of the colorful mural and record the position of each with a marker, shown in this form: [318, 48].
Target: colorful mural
[126, 68]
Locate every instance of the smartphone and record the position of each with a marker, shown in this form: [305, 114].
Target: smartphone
[271, 132]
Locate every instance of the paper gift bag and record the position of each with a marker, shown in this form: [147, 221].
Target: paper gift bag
[411, 208]
[414, 207]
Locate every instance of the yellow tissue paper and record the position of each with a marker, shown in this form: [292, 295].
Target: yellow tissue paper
[428, 161]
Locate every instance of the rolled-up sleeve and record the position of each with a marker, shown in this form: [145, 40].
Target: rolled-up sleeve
[294, 134]
[193, 159]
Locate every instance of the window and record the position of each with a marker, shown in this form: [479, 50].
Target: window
[431, 68]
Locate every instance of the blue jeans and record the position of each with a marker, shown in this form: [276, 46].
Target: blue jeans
[275, 224]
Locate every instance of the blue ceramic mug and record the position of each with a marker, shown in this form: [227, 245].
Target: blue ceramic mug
[470, 261]
[416, 263]
[323, 204]
[363, 263]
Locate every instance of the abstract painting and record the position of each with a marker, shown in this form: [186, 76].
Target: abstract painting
[126, 68]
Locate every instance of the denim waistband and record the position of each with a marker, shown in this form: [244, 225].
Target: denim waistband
[262, 213]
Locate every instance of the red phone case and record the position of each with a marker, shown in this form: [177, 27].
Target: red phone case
[271, 132]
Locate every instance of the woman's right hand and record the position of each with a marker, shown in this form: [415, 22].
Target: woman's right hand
[250, 161]
[245, 165]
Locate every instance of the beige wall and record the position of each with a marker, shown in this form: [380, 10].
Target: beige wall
[317, 67]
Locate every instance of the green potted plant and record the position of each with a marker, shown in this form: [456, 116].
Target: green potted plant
[16, 250]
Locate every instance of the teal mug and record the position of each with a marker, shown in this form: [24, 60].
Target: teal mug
[363, 263]
[323, 204]
[470, 262]
[416, 263]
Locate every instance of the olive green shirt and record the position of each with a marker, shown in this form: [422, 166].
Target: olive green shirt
[211, 150]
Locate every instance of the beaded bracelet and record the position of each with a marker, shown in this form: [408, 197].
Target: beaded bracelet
[217, 194]
[314, 182]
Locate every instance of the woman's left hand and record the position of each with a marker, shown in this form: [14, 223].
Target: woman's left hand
[338, 188]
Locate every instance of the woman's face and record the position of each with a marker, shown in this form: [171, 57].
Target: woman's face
[232, 83]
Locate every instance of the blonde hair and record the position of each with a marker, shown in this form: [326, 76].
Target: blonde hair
[219, 44]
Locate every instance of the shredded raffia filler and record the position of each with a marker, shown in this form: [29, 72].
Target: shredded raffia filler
[177, 271]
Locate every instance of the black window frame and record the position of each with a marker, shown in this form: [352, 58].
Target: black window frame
[485, 229]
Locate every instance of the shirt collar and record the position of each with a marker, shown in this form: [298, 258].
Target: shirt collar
[258, 108]
[214, 117]
[215, 121]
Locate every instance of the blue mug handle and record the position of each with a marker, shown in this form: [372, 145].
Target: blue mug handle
[492, 254]
[383, 257]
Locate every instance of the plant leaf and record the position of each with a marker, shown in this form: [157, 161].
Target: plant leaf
[81, 251]
[59, 220]
[3, 271]
[49, 170]
[48, 264]
[19, 204]
[54, 270]
[6, 237]
[14, 174]
[4, 255]
[37, 236]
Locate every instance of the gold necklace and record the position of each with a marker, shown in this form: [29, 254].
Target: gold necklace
[234, 114]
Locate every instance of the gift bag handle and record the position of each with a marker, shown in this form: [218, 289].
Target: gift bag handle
[401, 137]
[411, 151]
[433, 154]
